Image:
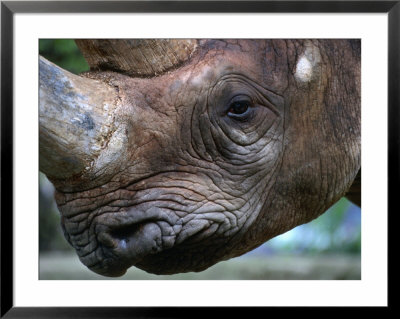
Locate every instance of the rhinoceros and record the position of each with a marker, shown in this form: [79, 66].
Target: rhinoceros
[171, 155]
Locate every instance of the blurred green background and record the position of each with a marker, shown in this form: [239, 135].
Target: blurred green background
[327, 248]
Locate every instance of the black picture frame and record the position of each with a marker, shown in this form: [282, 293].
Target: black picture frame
[9, 8]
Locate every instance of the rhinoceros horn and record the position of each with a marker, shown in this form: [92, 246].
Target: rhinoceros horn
[136, 57]
[75, 120]
[76, 113]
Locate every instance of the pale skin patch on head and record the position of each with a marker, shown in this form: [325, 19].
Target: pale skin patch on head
[308, 62]
[304, 69]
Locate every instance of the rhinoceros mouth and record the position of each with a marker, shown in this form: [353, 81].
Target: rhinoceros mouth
[127, 245]
[125, 238]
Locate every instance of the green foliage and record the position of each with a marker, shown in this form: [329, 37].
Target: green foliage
[64, 53]
[338, 230]
[50, 232]
[340, 233]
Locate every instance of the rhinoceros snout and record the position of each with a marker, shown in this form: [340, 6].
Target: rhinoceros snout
[125, 238]
[127, 245]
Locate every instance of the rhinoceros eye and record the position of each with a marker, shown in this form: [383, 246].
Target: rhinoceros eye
[239, 107]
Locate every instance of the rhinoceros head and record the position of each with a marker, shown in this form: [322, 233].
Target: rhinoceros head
[172, 155]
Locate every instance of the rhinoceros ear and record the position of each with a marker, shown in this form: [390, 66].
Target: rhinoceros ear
[136, 57]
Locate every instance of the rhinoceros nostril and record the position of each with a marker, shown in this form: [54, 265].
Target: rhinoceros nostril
[120, 236]
[126, 233]
[133, 241]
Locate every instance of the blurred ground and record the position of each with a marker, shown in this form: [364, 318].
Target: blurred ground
[64, 266]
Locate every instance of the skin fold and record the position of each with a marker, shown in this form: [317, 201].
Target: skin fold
[245, 140]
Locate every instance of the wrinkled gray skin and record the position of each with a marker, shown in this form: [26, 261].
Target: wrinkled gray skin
[184, 182]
